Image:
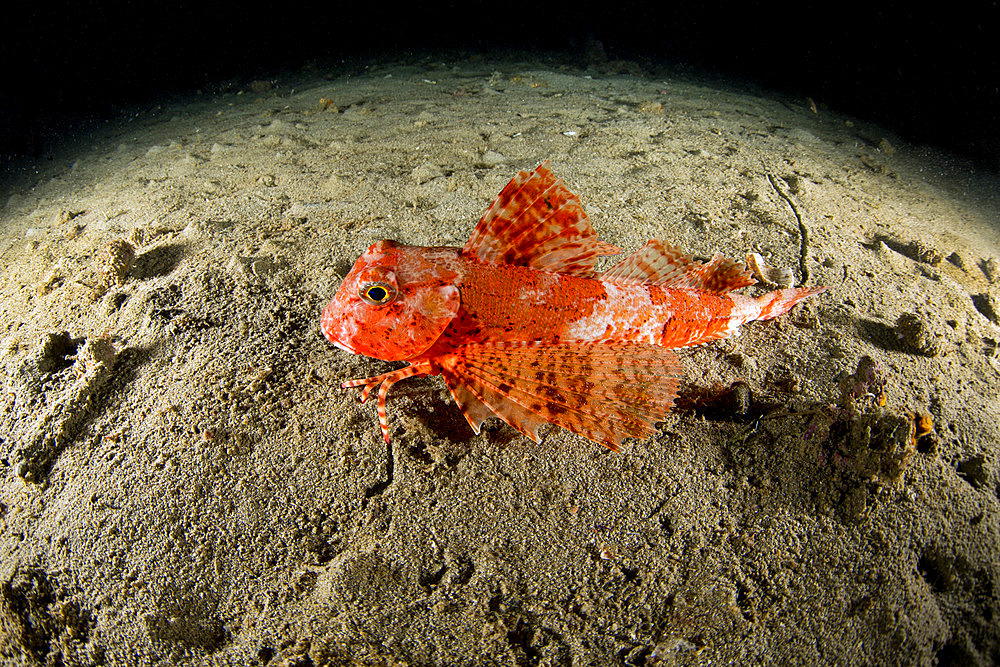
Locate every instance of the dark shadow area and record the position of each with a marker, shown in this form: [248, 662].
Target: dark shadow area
[448, 424]
[736, 402]
[927, 74]
[36, 457]
[158, 261]
[444, 419]
[879, 334]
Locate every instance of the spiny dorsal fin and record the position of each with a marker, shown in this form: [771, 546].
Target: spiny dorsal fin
[655, 262]
[602, 391]
[537, 222]
[666, 265]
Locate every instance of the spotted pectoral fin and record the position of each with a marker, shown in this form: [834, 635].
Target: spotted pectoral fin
[478, 401]
[602, 391]
[537, 222]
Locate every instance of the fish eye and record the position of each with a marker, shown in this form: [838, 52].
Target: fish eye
[378, 294]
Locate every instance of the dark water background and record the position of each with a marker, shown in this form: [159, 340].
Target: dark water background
[930, 74]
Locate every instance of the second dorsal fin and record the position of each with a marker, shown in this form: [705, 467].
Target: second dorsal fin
[668, 266]
[537, 222]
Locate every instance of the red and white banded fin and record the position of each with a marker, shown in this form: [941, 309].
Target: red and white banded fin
[655, 262]
[537, 222]
[384, 382]
[781, 301]
[668, 266]
[602, 391]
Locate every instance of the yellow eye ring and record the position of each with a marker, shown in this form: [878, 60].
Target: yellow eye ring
[377, 294]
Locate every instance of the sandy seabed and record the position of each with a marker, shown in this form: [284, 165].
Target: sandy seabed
[184, 482]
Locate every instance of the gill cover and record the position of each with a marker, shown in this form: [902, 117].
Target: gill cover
[393, 304]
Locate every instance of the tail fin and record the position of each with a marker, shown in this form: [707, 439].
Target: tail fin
[781, 301]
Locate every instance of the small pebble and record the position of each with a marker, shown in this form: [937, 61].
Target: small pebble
[98, 351]
[923, 253]
[116, 262]
[427, 172]
[492, 159]
[915, 334]
[742, 397]
[886, 147]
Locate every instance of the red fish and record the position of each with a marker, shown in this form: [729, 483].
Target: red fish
[522, 327]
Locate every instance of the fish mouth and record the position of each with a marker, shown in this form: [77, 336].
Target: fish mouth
[342, 346]
[328, 327]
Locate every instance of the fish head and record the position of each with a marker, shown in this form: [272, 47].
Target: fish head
[394, 304]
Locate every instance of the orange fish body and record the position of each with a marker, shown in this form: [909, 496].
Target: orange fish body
[522, 328]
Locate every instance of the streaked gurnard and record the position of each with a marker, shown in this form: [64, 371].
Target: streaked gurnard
[521, 326]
